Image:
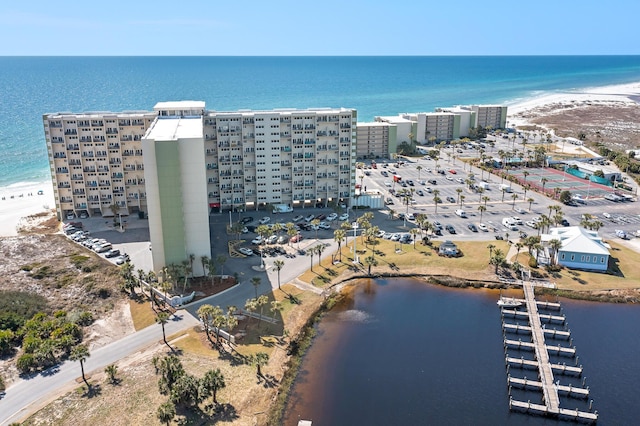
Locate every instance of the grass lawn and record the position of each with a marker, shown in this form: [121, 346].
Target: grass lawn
[419, 260]
[141, 313]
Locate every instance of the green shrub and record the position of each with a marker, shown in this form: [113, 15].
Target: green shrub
[16, 307]
[78, 260]
[6, 341]
[533, 263]
[26, 363]
[42, 272]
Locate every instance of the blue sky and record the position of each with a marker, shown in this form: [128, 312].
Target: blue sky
[321, 27]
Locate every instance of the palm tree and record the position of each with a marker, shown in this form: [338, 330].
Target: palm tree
[260, 302]
[370, 261]
[221, 260]
[503, 192]
[162, 318]
[414, 232]
[166, 412]
[481, 209]
[205, 313]
[462, 197]
[485, 199]
[525, 174]
[555, 245]
[259, 359]
[81, 353]
[519, 246]
[311, 253]
[255, 281]
[436, 200]
[491, 247]
[339, 236]
[211, 383]
[111, 371]
[530, 201]
[458, 191]
[315, 223]
[514, 197]
[278, 265]
[497, 259]
[319, 249]
[418, 168]
[544, 181]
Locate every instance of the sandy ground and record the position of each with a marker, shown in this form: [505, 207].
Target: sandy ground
[22, 200]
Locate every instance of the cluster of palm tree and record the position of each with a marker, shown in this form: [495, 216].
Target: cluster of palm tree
[215, 319]
[590, 222]
[497, 257]
[182, 388]
[318, 249]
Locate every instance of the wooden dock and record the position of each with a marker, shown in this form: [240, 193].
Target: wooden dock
[550, 332]
[545, 382]
[556, 368]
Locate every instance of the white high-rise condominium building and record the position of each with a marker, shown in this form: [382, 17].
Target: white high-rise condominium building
[181, 161]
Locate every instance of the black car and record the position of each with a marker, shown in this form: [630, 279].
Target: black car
[251, 228]
[433, 182]
[246, 220]
[472, 227]
[451, 229]
[321, 217]
[564, 222]
[451, 199]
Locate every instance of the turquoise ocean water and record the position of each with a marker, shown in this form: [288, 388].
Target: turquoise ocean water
[31, 86]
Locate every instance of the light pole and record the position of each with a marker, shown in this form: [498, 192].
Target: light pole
[354, 225]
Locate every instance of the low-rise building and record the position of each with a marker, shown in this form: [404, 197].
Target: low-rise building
[581, 248]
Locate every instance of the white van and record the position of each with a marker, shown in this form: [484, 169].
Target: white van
[461, 213]
[507, 222]
[506, 188]
[282, 208]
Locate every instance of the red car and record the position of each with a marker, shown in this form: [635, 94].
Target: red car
[453, 172]
[296, 238]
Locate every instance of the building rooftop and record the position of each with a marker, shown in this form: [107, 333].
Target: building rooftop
[374, 124]
[576, 239]
[186, 105]
[174, 128]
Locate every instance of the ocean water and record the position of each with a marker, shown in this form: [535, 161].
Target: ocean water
[402, 352]
[32, 86]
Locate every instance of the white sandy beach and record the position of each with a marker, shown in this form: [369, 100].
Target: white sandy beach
[628, 94]
[21, 200]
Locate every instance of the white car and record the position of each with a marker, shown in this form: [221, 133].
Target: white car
[410, 216]
[332, 217]
[298, 218]
[483, 227]
[264, 220]
[324, 225]
[245, 230]
[246, 251]
[449, 177]
[532, 224]
[388, 184]
[272, 239]
[516, 220]
[459, 180]
[395, 237]
[537, 219]
[257, 240]
[309, 218]
[344, 216]
[71, 216]
[519, 210]
[607, 215]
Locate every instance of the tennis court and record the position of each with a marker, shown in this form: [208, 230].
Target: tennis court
[546, 180]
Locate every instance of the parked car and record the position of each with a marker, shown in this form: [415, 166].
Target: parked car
[459, 180]
[296, 238]
[453, 172]
[472, 227]
[344, 216]
[520, 210]
[246, 251]
[282, 239]
[122, 259]
[532, 224]
[297, 218]
[419, 192]
[257, 240]
[309, 218]
[410, 216]
[332, 217]
[264, 220]
[272, 239]
[433, 181]
[389, 201]
[246, 219]
[483, 227]
[103, 248]
[451, 199]
[112, 253]
[83, 215]
[450, 229]
[321, 216]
